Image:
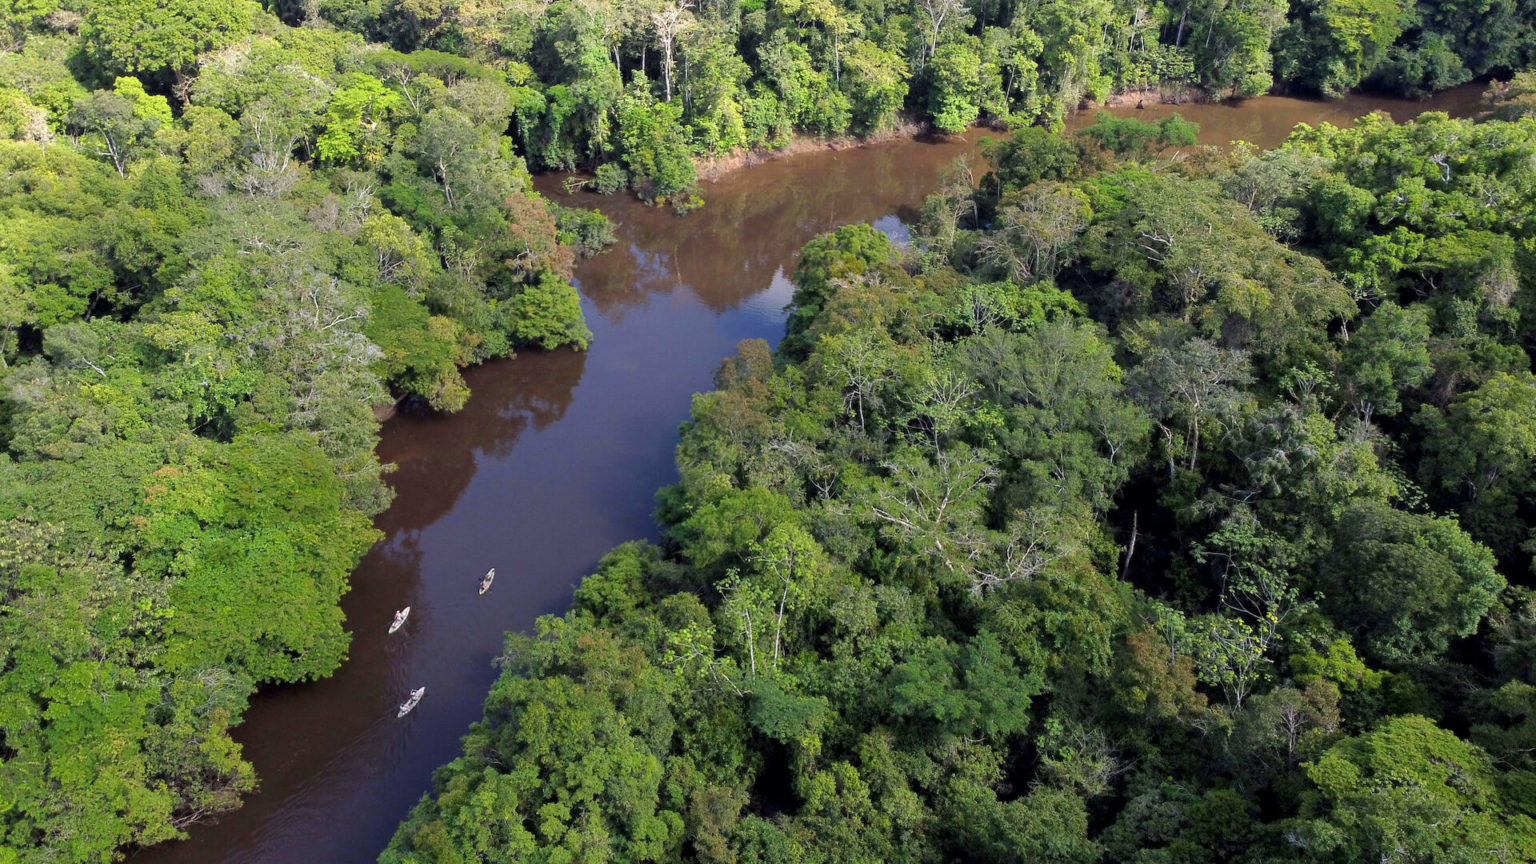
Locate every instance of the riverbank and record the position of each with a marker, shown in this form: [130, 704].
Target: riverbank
[711, 168]
[1153, 104]
[1153, 96]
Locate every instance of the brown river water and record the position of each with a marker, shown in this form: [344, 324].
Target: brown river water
[555, 460]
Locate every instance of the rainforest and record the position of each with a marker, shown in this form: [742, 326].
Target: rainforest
[1131, 497]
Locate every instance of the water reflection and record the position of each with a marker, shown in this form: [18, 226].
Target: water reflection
[755, 221]
[533, 391]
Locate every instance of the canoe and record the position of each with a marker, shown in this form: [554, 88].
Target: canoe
[407, 705]
[485, 584]
[400, 619]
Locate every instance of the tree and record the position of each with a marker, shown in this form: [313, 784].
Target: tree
[1407, 584]
[653, 149]
[353, 118]
[153, 36]
[1187, 380]
[272, 509]
[1385, 357]
[1330, 46]
[876, 82]
[570, 767]
[1407, 785]
[448, 147]
[1233, 46]
[1127, 136]
[1482, 455]
[109, 121]
[1036, 229]
[670, 22]
[1256, 596]
[1026, 157]
[953, 88]
[941, 16]
[1515, 98]
[20, 15]
[547, 313]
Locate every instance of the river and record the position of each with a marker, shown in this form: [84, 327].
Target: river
[555, 460]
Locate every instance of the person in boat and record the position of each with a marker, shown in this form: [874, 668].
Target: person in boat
[407, 705]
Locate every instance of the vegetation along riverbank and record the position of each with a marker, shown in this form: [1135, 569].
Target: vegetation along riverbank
[1136, 509]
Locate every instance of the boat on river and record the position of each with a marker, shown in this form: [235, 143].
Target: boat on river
[399, 619]
[485, 584]
[407, 705]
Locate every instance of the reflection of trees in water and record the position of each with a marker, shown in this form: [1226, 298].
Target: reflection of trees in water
[625, 276]
[399, 555]
[1268, 120]
[436, 455]
[754, 222]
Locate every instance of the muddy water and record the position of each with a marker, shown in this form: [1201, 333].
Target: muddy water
[1268, 120]
[554, 461]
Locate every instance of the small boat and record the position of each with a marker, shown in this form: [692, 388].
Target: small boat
[485, 584]
[400, 619]
[407, 705]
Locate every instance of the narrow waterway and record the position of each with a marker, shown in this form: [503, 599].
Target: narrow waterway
[555, 460]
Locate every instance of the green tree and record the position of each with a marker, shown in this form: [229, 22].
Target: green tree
[153, 36]
[1482, 455]
[653, 148]
[876, 82]
[1408, 785]
[1386, 356]
[1332, 45]
[953, 87]
[114, 126]
[1407, 584]
[547, 313]
[353, 118]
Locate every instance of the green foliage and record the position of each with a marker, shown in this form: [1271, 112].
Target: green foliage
[1127, 136]
[1387, 356]
[200, 307]
[1482, 455]
[1409, 785]
[353, 118]
[548, 314]
[1333, 45]
[586, 232]
[586, 784]
[220, 531]
[154, 36]
[422, 352]
[651, 144]
[877, 87]
[1069, 537]
[610, 178]
[1514, 99]
[1407, 584]
[953, 91]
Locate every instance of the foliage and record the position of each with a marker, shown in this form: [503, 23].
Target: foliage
[206, 288]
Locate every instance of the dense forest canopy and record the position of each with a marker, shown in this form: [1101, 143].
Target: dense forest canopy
[224, 243]
[1145, 508]
[1177, 508]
